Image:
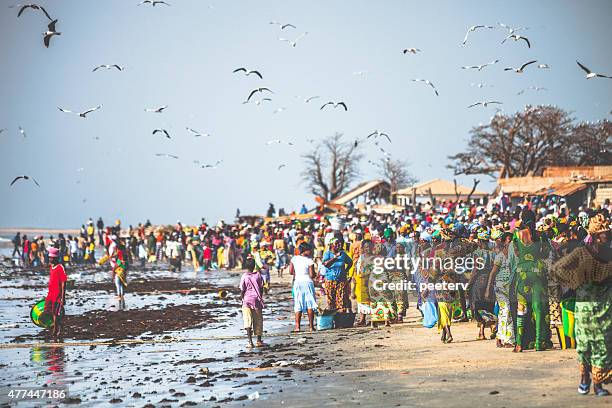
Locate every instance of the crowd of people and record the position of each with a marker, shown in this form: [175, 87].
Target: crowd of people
[534, 258]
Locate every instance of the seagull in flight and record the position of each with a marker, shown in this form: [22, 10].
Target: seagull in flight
[171, 156]
[309, 98]
[195, 132]
[517, 37]
[156, 110]
[279, 110]
[411, 50]
[153, 2]
[590, 74]
[24, 7]
[472, 29]
[480, 85]
[82, 114]
[248, 72]
[22, 131]
[24, 177]
[164, 131]
[260, 90]
[107, 66]
[212, 166]
[427, 82]
[512, 30]
[480, 67]
[47, 35]
[281, 166]
[294, 42]
[543, 66]
[534, 88]
[485, 103]
[283, 26]
[335, 105]
[260, 101]
[278, 141]
[3, 130]
[521, 69]
[378, 134]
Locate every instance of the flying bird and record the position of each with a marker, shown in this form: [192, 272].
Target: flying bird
[480, 67]
[283, 26]
[260, 90]
[24, 177]
[294, 42]
[164, 131]
[521, 69]
[106, 66]
[24, 7]
[3, 129]
[480, 85]
[153, 2]
[512, 30]
[82, 114]
[427, 82]
[517, 37]
[590, 74]
[411, 50]
[281, 166]
[378, 134]
[248, 72]
[279, 110]
[195, 132]
[543, 66]
[22, 131]
[260, 101]
[335, 105]
[535, 88]
[485, 103]
[212, 166]
[278, 141]
[47, 35]
[171, 156]
[156, 110]
[309, 98]
[471, 30]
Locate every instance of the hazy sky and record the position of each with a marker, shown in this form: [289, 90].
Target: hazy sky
[183, 56]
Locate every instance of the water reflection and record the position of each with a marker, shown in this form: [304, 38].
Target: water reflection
[53, 359]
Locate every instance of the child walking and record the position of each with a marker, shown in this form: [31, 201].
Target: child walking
[251, 292]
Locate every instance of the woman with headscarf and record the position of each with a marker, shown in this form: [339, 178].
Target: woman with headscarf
[588, 269]
[526, 256]
[499, 283]
[363, 270]
[382, 306]
[337, 263]
[481, 301]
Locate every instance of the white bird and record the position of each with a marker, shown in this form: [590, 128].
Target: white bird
[24, 177]
[517, 37]
[335, 105]
[521, 69]
[22, 131]
[212, 166]
[512, 30]
[283, 26]
[107, 66]
[279, 110]
[480, 67]
[260, 90]
[82, 114]
[590, 74]
[543, 66]
[153, 2]
[156, 110]
[248, 72]
[260, 101]
[195, 132]
[360, 73]
[3, 129]
[24, 7]
[471, 30]
[534, 88]
[166, 155]
[378, 134]
[480, 85]
[47, 35]
[309, 98]
[427, 82]
[281, 166]
[485, 103]
[278, 141]
[164, 131]
[294, 42]
[411, 50]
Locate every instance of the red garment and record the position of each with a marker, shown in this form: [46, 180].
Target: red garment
[57, 275]
[207, 253]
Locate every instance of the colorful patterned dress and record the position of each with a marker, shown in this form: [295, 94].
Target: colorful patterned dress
[505, 325]
[383, 307]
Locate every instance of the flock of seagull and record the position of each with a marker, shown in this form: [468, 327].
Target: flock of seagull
[265, 93]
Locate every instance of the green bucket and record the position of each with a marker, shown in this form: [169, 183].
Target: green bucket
[39, 317]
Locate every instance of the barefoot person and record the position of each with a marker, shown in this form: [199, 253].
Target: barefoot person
[251, 292]
[56, 295]
[302, 269]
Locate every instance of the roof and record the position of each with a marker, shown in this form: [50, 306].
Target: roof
[359, 190]
[579, 172]
[440, 187]
[563, 189]
[560, 186]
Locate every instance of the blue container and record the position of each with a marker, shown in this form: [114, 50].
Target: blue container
[325, 322]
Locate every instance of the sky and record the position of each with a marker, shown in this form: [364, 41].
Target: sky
[183, 56]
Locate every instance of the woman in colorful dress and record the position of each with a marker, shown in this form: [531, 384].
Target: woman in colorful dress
[381, 298]
[499, 283]
[363, 269]
[481, 302]
[526, 256]
[337, 263]
[588, 269]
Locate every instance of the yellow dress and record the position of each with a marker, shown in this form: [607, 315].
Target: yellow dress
[220, 257]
